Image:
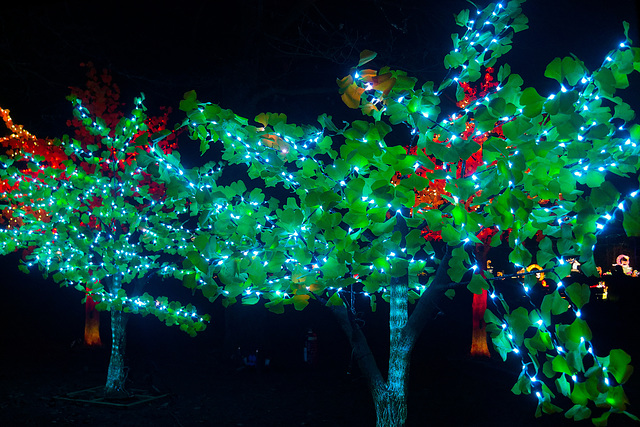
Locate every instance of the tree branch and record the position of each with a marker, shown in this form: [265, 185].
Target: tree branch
[427, 306]
[359, 345]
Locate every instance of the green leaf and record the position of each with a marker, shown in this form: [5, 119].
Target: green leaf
[189, 280]
[201, 241]
[454, 60]
[372, 303]
[198, 261]
[541, 341]
[519, 322]
[560, 364]
[450, 234]
[594, 178]
[190, 101]
[210, 291]
[335, 300]
[459, 214]
[462, 18]
[553, 303]
[631, 220]
[366, 56]
[300, 301]
[457, 268]
[578, 412]
[578, 331]
[415, 241]
[251, 299]
[333, 268]
[523, 385]
[566, 68]
[554, 70]
[532, 102]
[381, 263]
[399, 267]
[477, 284]
[580, 395]
[601, 421]
[605, 80]
[579, 294]
[502, 343]
[516, 128]
[563, 385]
[619, 365]
[275, 306]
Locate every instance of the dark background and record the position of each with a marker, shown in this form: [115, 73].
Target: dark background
[255, 56]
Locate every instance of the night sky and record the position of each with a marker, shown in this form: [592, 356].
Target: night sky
[250, 56]
[268, 55]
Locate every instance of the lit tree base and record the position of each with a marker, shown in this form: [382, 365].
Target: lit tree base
[391, 408]
[117, 376]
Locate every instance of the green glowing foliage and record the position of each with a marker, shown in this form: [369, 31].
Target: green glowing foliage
[579, 294]
[571, 69]
[110, 225]
[353, 205]
[631, 221]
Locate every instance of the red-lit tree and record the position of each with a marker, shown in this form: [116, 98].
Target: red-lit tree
[432, 196]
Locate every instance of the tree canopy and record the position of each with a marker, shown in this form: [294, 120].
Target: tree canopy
[345, 216]
[344, 221]
[95, 217]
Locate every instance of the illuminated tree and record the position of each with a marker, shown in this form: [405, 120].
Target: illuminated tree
[101, 96]
[109, 225]
[346, 229]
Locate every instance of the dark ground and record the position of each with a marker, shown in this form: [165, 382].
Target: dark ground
[204, 387]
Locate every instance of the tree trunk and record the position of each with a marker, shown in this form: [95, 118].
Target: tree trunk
[91, 324]
[391, 408]
[390, 396]
[479, 347]
[116, 375]
[391, 402]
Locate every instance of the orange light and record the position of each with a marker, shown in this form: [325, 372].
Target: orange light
[479, 346]
[92, 324]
